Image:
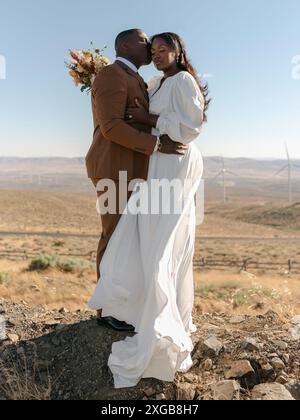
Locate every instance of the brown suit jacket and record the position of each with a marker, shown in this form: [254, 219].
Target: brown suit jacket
[118, 146]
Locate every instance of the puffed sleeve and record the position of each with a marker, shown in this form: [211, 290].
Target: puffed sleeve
[184, 123]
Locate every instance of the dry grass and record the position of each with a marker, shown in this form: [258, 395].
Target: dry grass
[75, 214]
[51, 287]
[246, 293]
[19, 383]
[40, 211]
[238, 293]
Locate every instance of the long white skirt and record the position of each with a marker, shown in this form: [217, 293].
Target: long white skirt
[147, 279]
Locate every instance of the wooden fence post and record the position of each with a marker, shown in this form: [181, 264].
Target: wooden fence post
[290, 264]
[244, 266]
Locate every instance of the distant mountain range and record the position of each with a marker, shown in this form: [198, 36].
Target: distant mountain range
[250, 179]
[243, 167]
[42, 165]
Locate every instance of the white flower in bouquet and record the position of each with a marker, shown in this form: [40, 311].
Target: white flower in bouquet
[84, 66]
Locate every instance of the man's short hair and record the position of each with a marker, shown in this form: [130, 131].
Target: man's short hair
[123, 37]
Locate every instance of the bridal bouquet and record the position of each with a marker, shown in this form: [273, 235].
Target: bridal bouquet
[84, 66]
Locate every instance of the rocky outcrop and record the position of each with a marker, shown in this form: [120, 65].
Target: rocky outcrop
[49, 354]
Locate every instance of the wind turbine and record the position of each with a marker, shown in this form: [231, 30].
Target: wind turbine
[289, 166]
[223, 173]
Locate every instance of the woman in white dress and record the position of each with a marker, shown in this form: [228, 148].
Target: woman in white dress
[147, 268]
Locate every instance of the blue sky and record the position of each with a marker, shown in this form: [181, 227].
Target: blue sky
[247, 47]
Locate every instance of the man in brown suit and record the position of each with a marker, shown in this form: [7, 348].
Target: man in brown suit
[119, 146]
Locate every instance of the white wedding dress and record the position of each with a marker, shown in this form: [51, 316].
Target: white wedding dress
[147, 269]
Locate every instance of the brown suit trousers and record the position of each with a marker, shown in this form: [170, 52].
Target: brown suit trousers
[109, 223]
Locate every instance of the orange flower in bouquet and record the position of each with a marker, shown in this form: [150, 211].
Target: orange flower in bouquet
[84, 65]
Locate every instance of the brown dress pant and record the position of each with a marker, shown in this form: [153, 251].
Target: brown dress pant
[109, 223]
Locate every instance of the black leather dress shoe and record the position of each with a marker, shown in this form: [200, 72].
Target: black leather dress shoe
[114, 324]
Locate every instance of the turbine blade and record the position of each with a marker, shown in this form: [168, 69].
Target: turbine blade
[232, 173]
[280, 170]
[287, 151]
[220, 173]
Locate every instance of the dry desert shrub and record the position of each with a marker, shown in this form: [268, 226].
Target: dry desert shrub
[19, 383]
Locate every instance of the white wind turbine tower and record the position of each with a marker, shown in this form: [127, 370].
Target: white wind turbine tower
[223, 173]
[289, 167]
